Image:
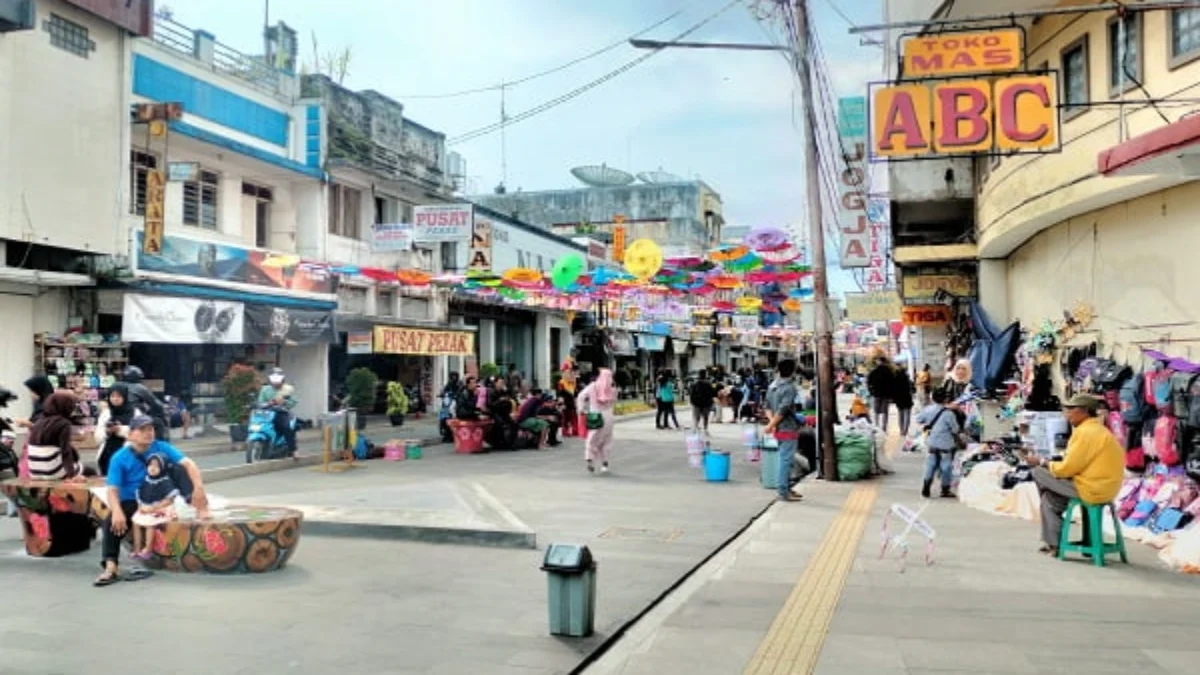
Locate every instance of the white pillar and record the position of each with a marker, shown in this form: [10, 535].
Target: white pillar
[993, 290]
[487, 341]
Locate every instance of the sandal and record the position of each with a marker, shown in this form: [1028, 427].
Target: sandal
[106, 578]
[1047, 549]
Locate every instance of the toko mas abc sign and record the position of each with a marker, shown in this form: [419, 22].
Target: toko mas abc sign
[960, 94]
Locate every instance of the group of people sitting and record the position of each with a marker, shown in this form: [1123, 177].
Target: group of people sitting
[518, 421]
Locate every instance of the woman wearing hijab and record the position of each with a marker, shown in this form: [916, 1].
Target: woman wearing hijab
[40, 388]
[567, 386]
[49, 453]
[113, 425]
[958, 380]
[599, 397]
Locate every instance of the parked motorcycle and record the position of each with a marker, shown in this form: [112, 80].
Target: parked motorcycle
[262, 441]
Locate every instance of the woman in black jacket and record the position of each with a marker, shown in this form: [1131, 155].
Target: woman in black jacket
[881, 385]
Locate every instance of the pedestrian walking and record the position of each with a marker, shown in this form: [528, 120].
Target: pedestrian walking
[666, 398]
[902, 396]
[596, 401]
[879, 385]
[941, 424]
[703, 396]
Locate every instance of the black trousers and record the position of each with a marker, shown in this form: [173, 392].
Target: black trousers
[660, 415]
[283, 428]
[110, 546]
[669, 410]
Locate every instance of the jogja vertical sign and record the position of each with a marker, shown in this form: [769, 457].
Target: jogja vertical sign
[853, 224]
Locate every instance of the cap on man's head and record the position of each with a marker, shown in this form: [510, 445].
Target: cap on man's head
[1082, 401]
[140, 420]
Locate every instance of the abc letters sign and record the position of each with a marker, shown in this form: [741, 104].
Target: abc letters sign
[1014, 113]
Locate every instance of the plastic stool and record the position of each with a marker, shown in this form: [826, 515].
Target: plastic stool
[1095, 517]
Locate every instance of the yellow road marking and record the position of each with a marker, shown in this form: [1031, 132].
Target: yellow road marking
[793, 643]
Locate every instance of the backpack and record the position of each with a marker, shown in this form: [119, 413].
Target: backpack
[1133, 400]
[1082, 381]
[1117, 426]
[1181, 393]
[1166, 437]
[1158, 389]
[1193, 411]
[1110, 375]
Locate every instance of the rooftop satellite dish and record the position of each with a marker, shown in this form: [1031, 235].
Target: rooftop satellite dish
[654, 177]
[602, 176]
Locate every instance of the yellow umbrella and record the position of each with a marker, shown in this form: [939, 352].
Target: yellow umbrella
[643, 258]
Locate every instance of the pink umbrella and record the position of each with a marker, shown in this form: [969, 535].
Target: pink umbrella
[766, 238]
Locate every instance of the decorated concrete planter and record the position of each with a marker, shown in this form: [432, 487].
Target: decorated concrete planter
[57, 517]
[468, 435]
[241, 539]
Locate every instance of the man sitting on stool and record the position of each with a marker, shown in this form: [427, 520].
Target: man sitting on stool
[1091, 470]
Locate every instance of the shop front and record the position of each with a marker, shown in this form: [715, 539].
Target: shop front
[409, 353]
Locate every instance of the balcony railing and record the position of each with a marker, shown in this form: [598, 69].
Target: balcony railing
[219, 58]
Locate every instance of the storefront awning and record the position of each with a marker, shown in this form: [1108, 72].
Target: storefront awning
[651, 343]
[212, 293]
[1173, 149]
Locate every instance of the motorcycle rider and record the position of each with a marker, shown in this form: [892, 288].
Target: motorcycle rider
[141, 398]
[280, 396]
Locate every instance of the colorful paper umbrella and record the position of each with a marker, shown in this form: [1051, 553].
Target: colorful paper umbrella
[728, 253]
[345, 270]
[792, 305]
[722, 306]
[511, 293]
[413, 278]
[643, 258]
[783, 256]
[567, 270]
[762, 277]
[749, 302]
[603, 276]
[766, 238]
[377, 274]
[724, 281]
[801, 293]
[523, 277]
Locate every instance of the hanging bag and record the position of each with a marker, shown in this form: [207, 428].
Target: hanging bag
[594, 421]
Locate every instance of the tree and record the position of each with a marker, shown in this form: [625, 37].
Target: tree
[333, 63]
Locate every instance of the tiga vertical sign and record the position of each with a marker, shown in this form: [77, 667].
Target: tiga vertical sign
[855, 250]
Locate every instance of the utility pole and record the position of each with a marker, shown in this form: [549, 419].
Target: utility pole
[824, 337]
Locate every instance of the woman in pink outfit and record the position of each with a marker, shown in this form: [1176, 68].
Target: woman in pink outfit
[599, 397]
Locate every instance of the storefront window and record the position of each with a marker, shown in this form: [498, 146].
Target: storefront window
[1075, 77]
[385, 303]
[1185, 35]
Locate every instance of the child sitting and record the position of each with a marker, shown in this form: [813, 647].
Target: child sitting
[156, 504]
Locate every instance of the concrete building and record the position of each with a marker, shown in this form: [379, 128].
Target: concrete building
[64, 108]
[684, 218]
[1108, 221]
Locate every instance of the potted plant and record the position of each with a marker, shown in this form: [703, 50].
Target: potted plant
[488, 370]
[360, 393]
[240, 388]
[397, 403]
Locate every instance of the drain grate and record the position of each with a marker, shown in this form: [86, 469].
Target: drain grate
[639, 534]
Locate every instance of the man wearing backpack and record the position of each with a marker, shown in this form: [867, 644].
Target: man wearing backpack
[1091, 470]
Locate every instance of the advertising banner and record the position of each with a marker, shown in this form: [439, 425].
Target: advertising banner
[481, 246]
[855, 249]
[387, 237]
[744, 322]
[925, 315]
[209, 261]
[442, 222]
[921, 288]
[961, 53]
[397, 340]
[163, 319]
[358, 343]
[875, 306]
[287, 326]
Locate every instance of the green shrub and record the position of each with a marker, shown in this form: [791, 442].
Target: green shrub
[360, 389]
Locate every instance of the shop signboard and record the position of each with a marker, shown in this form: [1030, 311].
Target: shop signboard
[196, 259]
[961, 53]
[481, 246]
[873, 306]
[921, 288]
[387, 237]
[443, 222]
[855, 248]
[651, 343]
[744, 322]
[266, 324]
[358, 343]
[925, 315]
[418, 341]
[164, 319]
[153, 225]
[1013, 114]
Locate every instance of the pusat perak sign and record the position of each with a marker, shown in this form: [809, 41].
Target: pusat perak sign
[954, 115]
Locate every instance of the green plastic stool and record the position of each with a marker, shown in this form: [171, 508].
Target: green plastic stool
[1098, 548]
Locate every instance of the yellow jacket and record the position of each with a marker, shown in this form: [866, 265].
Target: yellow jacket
[1095, 462]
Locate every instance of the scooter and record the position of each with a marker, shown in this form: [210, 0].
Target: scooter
[445, 413]
[262, 442]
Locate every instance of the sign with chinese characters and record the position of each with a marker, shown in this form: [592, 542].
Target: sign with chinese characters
[618, 245]
[481, 246]
[442, 222]
[1013, 114]
[925, 315]
[874, 306]
[855, 249]
[397, 340]
[956, 53]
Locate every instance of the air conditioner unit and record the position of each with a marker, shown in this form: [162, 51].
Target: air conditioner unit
[17, 15]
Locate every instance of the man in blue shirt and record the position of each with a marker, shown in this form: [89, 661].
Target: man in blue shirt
[781, 403]
[126, 472]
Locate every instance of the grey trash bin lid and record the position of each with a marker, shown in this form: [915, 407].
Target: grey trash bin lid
[568, 558]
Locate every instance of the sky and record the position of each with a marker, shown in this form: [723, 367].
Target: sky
[727, 117]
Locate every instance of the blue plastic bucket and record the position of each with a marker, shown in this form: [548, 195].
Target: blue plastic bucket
[716, 467]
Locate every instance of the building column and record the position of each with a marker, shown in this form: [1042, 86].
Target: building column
[993, 290]
[541, 352]
[487, 341]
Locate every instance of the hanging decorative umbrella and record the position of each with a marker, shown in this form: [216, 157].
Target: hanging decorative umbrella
[766, 238]
[603, 276]
[345, 270]
[748, 303]
[376, 274]
[643, 258]
[792, 305]
[449, 279]
[567, 270]
[782, 256]
[762, 277]
[413, 278]
[724, 281]
[723, 306]
[727, 253]
[523, 277]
